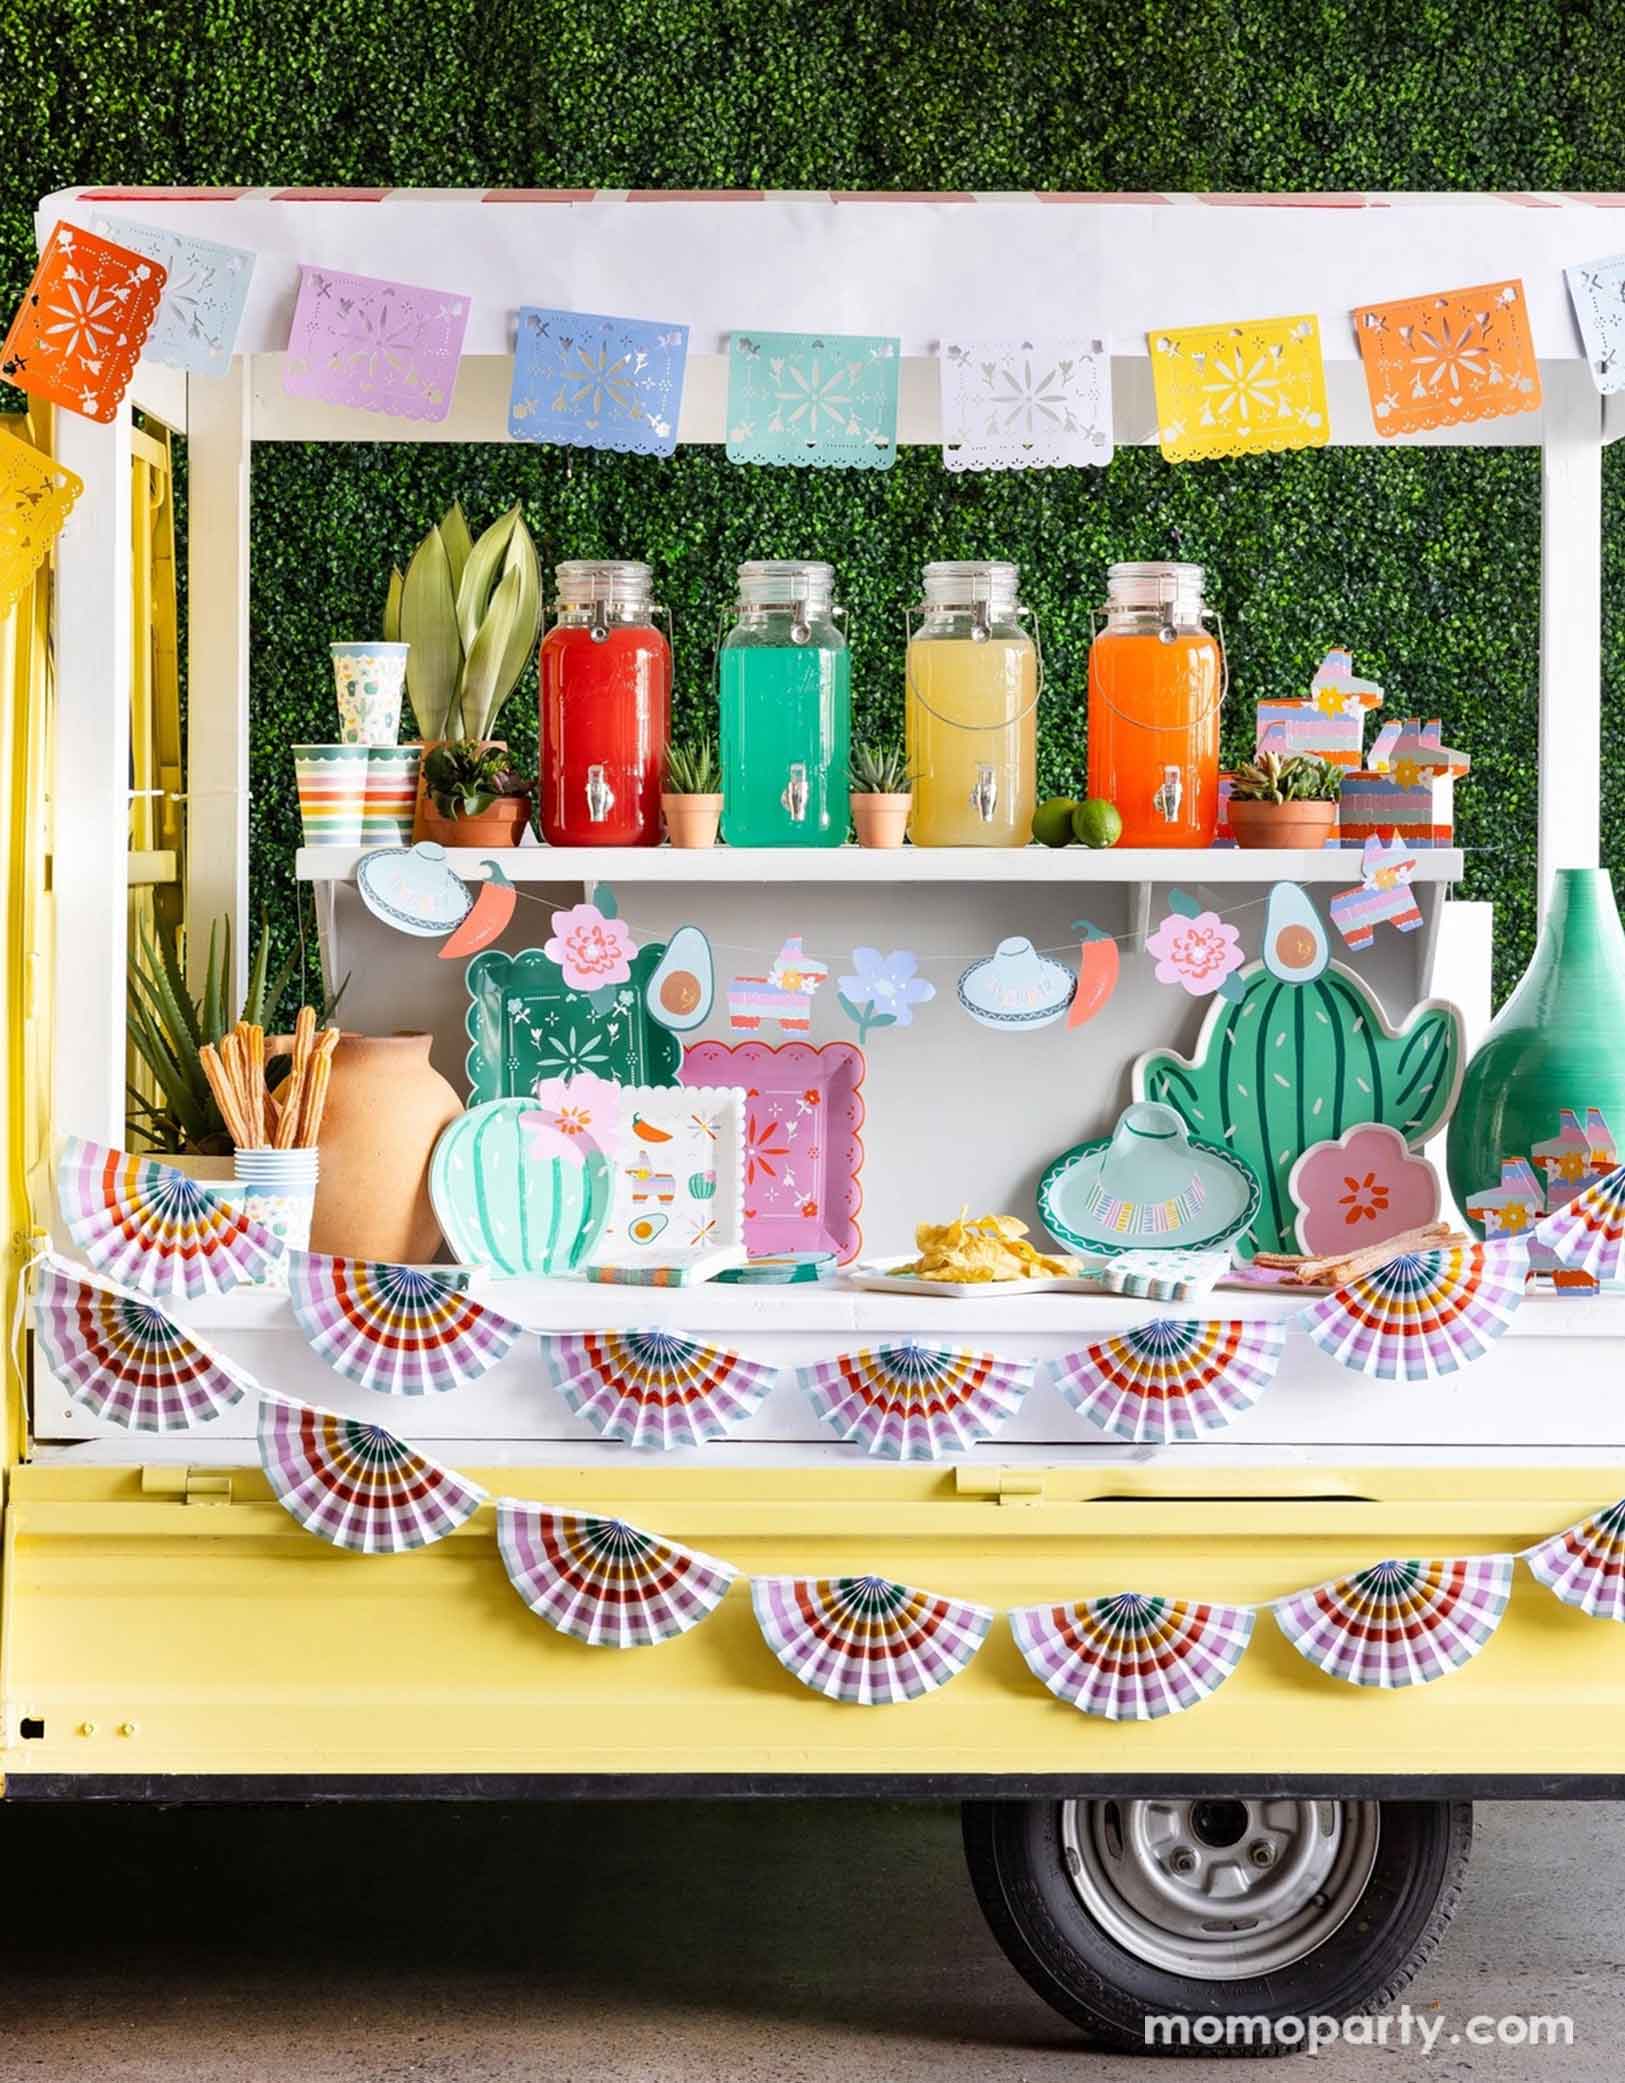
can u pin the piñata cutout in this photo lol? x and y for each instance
(1130, 1657)
(123, 1360)
(654, 1390)
(866, 1641)
(401, 1330)
(1587, 1234)
(1168, 1380)
(1425, 1314)
(1399, 1623)
(913, 1403)
(153, 1228)
(355, 1484)
(604, 1582)
(1585, 1564)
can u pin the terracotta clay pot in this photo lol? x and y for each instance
(502, 825)
(1307, 825)
(881, 820)
(386, 1107)
(692, 820)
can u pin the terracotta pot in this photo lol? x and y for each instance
(1307, 825)
(692, 820)
(502, 825)
(881, 820)
(386, 1107)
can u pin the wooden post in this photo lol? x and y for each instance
(1570, 790)
(90, 789)
(218, 448)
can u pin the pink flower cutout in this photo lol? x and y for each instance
(1198, 953)
(592, 951)
(574, 1116)
(1362, 1189)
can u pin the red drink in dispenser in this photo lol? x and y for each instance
(605, 672)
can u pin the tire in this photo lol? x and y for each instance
(1120, 1912)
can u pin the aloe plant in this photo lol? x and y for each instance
(471, 612)
(691, 770)
(880, 770)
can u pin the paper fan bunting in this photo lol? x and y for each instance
(605, 1582)
(123, 1359)
(155, 1229)
(914, 1403)
(1588, 1233)
(1424, 1314)
(1399, 1623)
(1169, 1379)
(1585, 1564)
(1130, 1657)
(864, 1640)
(653, 1389)
(398, 1329)
(355, 1484)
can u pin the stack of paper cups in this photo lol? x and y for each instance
(392, 790)
(332, 793)
(277, 1189)
(368, 680)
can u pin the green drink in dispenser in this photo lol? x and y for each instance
(785, 676)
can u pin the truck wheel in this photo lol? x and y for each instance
(1194, 1911)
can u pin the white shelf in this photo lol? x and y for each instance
(854, 864)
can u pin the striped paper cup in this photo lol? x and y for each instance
(332, 793)
(392, 791)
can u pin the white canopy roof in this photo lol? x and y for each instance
(1107, 266)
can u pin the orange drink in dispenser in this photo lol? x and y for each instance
(1156, 686)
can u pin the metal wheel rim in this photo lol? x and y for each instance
(1159, 1878)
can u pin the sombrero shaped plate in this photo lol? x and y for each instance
(1148, 1186)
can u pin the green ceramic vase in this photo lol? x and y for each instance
(1559, 1041)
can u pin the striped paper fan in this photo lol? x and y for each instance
(605, 1582)
(653, 1389)
(357, 1485)
(1130, 1657)
(1585, 1564)
(915, 1403)
(153, 1228)
(1399, 1623)
(1424, 1314)
(1588, 1233)
(401, 1330)
(121, 1358)
(864, 1640)
(1169, 1379)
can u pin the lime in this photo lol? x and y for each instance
(1096, 823)
(1052, 821)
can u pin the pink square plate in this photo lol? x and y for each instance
(803, 1152)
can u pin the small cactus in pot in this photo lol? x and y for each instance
(881, 793)
(1285, 802)
(692, 797)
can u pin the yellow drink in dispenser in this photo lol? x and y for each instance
(973, 675)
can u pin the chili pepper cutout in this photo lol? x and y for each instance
(1097, 973)
(491, 911)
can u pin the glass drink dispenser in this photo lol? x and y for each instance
(605, 671)
(785, 677)
(972, 683)
(1156, 686)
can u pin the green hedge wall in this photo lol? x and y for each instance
(1427, 565)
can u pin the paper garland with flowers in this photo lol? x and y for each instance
(390, 347)
(1449, 357)
(1238, 390)
(829, 399)
(83, 323)
(36, 498)
(1025, 404)
(590, 381)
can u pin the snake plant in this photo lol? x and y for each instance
(472, 612)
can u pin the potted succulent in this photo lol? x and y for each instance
(1285, 802)
(472, 797)
(881, 793)
(692, 800)
(472, 614)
